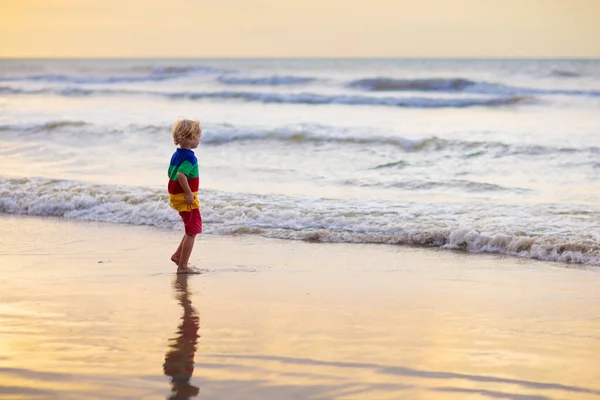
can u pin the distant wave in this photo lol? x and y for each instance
(419, 184)
(185, 70)
(153, 74)
(423, 85)
(469, 227)
(296, 98)
(13, 90)
(222, 135)
(306, 134)
(471, 149)
(563, 73)
(468, 149)
(60, 78)
(369, 84)
(320, 99)
(458, 85)
(275, 80)
(46, 126)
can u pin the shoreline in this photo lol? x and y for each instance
(93, 310)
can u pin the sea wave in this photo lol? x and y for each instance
(424, 85)
(433, 84)
(303, 135)
(478, 228)
(46, 126)
(275, 80)
(293, 98)
(422, 184)
(158, 73)
(564, 73)
(472, 149)
(186, 70)
(16, 90)
(458, 85)
(354, 100)
(219, 135)
(223, 134)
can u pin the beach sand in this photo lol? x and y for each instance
(94, 311)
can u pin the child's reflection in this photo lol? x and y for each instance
(179, 360)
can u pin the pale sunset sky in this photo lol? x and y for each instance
(300, 28)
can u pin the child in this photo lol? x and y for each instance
(183, 189)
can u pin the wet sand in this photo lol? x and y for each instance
(94, 311)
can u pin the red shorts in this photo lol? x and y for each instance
(192, 221)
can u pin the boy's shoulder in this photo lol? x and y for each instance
(182, 155)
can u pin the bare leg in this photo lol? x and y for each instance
(177, 255)
(187, 245)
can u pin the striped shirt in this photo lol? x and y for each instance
(184, 161)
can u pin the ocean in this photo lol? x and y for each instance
(480, 156)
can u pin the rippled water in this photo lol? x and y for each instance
(483, 155)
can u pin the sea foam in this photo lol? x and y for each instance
(515, 231)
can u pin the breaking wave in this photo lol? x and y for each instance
(469, 227)
(458, 85)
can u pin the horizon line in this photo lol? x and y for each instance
(564, 58)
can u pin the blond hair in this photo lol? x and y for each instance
(185, 129)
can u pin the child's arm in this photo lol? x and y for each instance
(189, 195)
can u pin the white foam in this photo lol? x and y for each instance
(470, 227)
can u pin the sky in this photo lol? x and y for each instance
(300, 28)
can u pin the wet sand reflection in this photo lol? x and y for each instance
(179, 360)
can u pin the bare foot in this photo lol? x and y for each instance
(187, 270)
(175, 259)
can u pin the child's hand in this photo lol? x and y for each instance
(189, 198)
